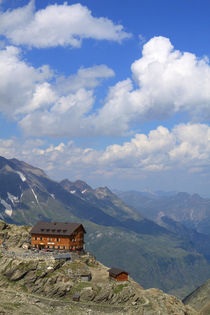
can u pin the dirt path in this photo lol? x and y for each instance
(25, 303)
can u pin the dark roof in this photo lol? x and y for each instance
(116, 271)
(55, 228)
(62, 256)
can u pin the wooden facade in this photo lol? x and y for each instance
(118, 274)
(57, 235)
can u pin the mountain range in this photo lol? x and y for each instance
(192, 211)
(155, 255)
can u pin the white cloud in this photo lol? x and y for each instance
(57, 25)
(87, 78)
(64, 117)
(19, 82)
(185, 148)
(168, 81)
(41, 106)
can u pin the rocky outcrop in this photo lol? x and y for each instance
(14, 236)
(51, 277)
(200, 299)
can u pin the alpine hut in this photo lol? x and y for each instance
(118, 274)
(58, 235)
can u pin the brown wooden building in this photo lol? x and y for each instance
(118, 274)
(58, 235)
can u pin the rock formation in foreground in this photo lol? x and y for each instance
(43, 283)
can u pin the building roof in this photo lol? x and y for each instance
(116, 271)
(55, 228)
(62, 256)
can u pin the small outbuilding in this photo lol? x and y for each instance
(86, 277)
(118, 274)
(76, 297)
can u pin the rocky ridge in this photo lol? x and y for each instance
(200, 299)
(46, 279)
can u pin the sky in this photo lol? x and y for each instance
(114, 93)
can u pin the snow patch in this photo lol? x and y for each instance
(52, 195)
(35, 196)
(22, 177)
(84, 191)
(12, 198)
(72, 191)
(8, 212)
(8, 208)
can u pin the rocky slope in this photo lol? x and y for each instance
(200, 299)
(49, 284)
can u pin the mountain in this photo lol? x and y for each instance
(191, 210)
(174, 213)
(104, 199)
(44, 283)
(117, 234)
(200, 299)
(200, 241)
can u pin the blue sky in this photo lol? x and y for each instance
(116, 93)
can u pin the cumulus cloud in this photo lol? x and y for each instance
(20, 83)
(87, 78)
(168, 81)
(186, 148)
(57, 25)
(66, 116)
(41, 104)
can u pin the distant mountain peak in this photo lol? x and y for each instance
(78, 186)
(104, 190)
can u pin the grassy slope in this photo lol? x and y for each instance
(152, 261)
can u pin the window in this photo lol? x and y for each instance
(35, 238)
(40, 238)
(58, 247)
(49, 239)
(64, 247)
